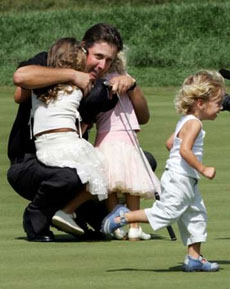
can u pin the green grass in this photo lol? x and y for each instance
(166, 42)
(156, 264)
(29, 5)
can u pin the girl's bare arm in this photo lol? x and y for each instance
(169, 142)
(188, 135)
(21, 94)
(139, 104)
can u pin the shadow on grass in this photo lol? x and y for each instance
(170, 269)
(223, 262)
(67, 239)
(226, 238)
(158, 237)
(61, 238)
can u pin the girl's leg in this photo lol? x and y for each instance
(135, 231)
(112, 201)
(82, 197)
(133, 203)
(194, 250)
(64, 219)
(138, 216)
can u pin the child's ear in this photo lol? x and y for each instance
(200, 103)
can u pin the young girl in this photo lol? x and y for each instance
(125, 170)
(200, 98)
(58, 140)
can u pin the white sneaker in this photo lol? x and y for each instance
(136, 234)
(66, 223)
(143, 235)
(119, 234)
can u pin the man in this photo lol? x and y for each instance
(226, 102)
(50, 188)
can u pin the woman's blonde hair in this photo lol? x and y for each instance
(205, 85)
(65, 53)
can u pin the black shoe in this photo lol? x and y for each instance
(44, 235)
(47, 237)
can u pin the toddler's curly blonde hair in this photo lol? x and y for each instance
(205, 85)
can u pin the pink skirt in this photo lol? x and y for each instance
(125, 170)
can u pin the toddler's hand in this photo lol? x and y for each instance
(209, 172)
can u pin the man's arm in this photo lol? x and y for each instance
(36, 76)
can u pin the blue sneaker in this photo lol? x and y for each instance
(108, 224)
(200, 264)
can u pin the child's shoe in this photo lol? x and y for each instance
(119, 234)
(109, 225)
(136, 234)
(200, 264)
(65, 222)
(143, 235)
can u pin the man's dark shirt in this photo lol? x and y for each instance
(226, 102)
(19, 139)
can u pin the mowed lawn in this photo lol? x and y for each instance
(68, 263)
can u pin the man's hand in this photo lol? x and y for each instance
(121, 84)
(83, 81)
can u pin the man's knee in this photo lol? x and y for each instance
(63, 184)
(16, 180)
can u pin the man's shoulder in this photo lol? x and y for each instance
(38, 59)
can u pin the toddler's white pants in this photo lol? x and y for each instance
(180, 202)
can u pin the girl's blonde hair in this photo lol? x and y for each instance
(119, 64)
(65, 53)
(203, 85)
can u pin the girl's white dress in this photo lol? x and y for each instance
(67, 149)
